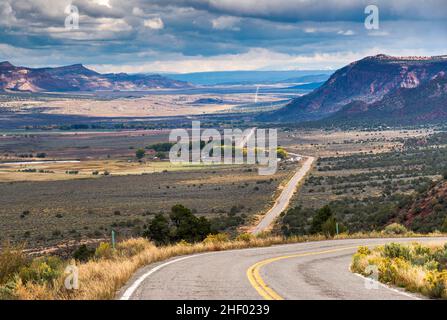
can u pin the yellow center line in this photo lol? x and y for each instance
(254, 276)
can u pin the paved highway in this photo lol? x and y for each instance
(312, 270)
(283, 200)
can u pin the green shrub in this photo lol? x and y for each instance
(264, 235)
(42, 270)
(281, 153)
(161, 155)
(363, 250)
(83, 253)
(7, 290)
(436, 284)
(187, 226)
(431, 265)
(395, 250)
(184, 243)
(320, 218)
(181, 225)
(161, 147)
(139, 154)
(246, 237)
(158, 230)
(444, 226)
(395, 228)
(104, 251)
(329, 228)
(216, 238)
(440, 256)
(403, 266)
(420, 250)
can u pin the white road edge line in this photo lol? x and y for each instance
(408, 295)
(131, 290)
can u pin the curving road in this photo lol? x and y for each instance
(284, 198)
(312, 270)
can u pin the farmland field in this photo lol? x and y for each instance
(44, 202)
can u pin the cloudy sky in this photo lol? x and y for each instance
(215, 35)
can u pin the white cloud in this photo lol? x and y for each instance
(346, 33)
(115, 32)
(105, 3)
(110, 24)
(154, 23)
(310, 30)
(379, 33)
(137, 12)
(254, 59)
(7, 14)
(226, 23)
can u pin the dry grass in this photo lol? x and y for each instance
(417, 268)
(57, 171)
(103, 276)
(152, 105)
(11, 259)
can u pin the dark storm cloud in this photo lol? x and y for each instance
(139, 32)
(313, 10)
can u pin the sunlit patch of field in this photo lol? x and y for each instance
(147, 106)
(340, 143)
(67, 145)
(90, 169)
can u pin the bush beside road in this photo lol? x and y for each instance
(417, 268)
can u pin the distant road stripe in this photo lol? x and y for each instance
(254, 276)
(283, 200)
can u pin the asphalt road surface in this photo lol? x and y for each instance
(312, 270)
(283, 200)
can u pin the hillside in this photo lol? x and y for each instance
(426, 103)
(428, 211)
(77, 78)
(380, 87)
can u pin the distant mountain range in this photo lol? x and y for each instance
(78, 78)
(252, 77)
(382, 88)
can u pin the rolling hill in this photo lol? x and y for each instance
(77, 78)
(379, 87)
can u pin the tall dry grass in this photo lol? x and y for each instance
(11, 260)
(101, 277)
